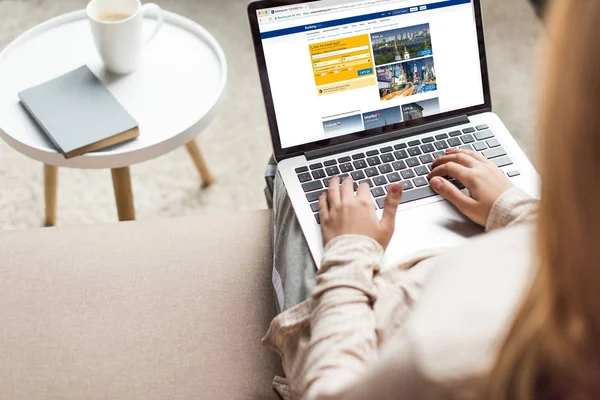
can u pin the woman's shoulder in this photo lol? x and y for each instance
(467, 305)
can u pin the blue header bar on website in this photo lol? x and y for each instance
(361, 18)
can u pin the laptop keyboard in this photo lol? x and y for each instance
(406, 163)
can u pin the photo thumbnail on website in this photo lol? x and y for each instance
(406, 78)
(401, 44)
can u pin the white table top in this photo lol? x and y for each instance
(172, 96)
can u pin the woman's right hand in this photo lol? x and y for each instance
(485, 182)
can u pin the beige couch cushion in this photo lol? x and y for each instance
(143, 310)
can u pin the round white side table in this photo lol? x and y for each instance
(173, 96)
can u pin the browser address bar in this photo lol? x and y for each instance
(353, 6)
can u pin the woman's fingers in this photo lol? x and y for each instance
(475, 154)
(452, 170)
(333, 194)
(323, 207)
(364, 193)
(459, 158)
(392, 201)
(347, 190)
(451, 193)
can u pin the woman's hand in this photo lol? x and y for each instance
(485, 182)
(343, 213)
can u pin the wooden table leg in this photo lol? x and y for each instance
(198, 158)
(123, 194)
(50, 189)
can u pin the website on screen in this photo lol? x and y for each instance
(337, 67)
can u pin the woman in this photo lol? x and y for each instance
(514, 314)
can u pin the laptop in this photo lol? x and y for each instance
(376, 90)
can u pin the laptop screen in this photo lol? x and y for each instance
(338, 67)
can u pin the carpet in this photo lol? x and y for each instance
(237, 144)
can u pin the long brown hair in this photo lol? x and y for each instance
(553, 348)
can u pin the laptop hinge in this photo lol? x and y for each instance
(386, 137)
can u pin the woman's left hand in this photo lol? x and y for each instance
(342, 213)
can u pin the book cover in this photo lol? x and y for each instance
(78, 113)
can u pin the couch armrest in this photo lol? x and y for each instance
(141, 310)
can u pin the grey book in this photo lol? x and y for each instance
(78, 113)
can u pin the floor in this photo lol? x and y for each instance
(237, 144)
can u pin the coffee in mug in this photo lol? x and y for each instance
(113, 16)
(118, 34)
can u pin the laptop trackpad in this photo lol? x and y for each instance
(430, 226)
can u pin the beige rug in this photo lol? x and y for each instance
(237, 144)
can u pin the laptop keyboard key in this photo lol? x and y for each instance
(408, 174)
(502, 161)
(493, 143)
(367, 181)
(372, 153)
(347, 167)
(344, 159)
(399, 165)
(426, 159)
(401, 155)
(379, 180)
(441, 136)
(479, 146)
(371, 172)
(414, 143)
(428, 140)
(310, 186)
(318, 174)
(386, 158)
(412, 162)
(441, 145)
(305, 177)
(385, 168)
(418, 194)
(454, 142)
(407, 185)
(358, 156)
(421, 170)
(482, 135)
(393, 177)
(455, 133)
(314, 196)
(318, 218)
(314, 207)
(357, 175)
(468, 130)
(360, 164)
(400, 146)
(329, 163)
(414, 151)
(438, 154)
(514, 173)
(332, 171)
(467, 139)
(378, 192)
(316, 166)
(466, 147)
(372, 161)
(493, 153)
(420, 181)
(411, 195)
(387, 149)
(482, 127)
(299, 170)
(427, 148)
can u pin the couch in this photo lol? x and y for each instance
(164, 309)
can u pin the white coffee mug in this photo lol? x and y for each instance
(118, 34)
